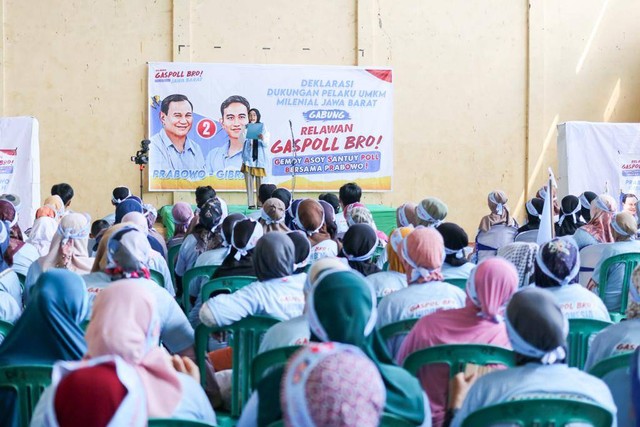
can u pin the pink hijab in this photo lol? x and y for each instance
(490, 287)
(602, 211)
(125, 322)
(422, 253)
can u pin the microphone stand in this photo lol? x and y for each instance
(294, 163)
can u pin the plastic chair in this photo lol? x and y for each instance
(5, 328)
(175, 422)
(28, 382)
(172, 257)
(610, 364)
(630, 262)
(530, 236)
(377, 253)
(391, 420)
(458, 283)
(540, 413)
(229, 284)
(589, 258)
(580, 332)
(245, 336)
(456, 356)
(488, 243)
(204, 270)
(270, 359)
(400, 327)
(157, 277)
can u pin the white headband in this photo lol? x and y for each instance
(584, 202)
(417, 271)
(600, 203)
(296, 220)
(521, 346)
(572, 214)
(561, 281)
(458, 253)
(532, 210)
(72, 233)
(402, 217)
(424, 215)
(619, 229)
(257, 233)
(360, 258)
(118, 201)
(268, 220)
(499, 206)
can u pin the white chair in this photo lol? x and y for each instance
(530, 236)
(589, 258)
(488, 243)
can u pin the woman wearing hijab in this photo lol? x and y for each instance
(557, 268)
(523, 256)
(42, 232)
(534, 214)
(131, 204)
(342, 308)
(542, 194)
(455, 264)
(569, 220)
(285, 196)
(127, 253)
(239, 261)
(359, 244)
(151, 215)
(538, 334)
(585, 204)
(277, 293)
(431, 212)
(406, 215)
(55, 202)
(497, 201)
(357, 213)
(182, 215)
(272, 216)
(68, 250)
(48, 330)
(480, 321)
(9, 281)
(46, 211)
(19, 255)
(598, 229)
(623, 229)
(123, 335)
(310, 218)
(339, 386)
(395, 278)
(302, 250)
(422, 253)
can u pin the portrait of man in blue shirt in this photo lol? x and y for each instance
(171, 148)
(235, 117)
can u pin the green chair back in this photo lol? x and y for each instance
(157, 277)
(172, 257)
(269, 359)
(630, 262)
(377, 253)
(400, 327)
(5, 327)
(580, 332)
(610, 364)
(175, 422)
(540, 413)
(28, 382)
(202, 271)
(456, 356)
(391, 420)
(458, 283)
(230, 284)
(245, 336)
(385, 266)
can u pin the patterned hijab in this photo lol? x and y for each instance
(272, 216)
(406, 215)
(69, 246)
(16, 242)
(332, 385)
(557, 263)
(497, 201)
(522, 255)
(602, 210)
(423, 254)
(206, 232)
(431, 212)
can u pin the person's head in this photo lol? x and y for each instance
(272, 215)
(633, 306)
(431, 212)
(182, 215)
(534, 210)
(490, 286)
(537, 328)
(332, 199)
(302, 249)
(210, 214)
(359, 243)
(497, 200)
(523, 256)
(46, 211)
(422, 253)
(624, 227)
(406, 215)
(630, 203)
(357, 213)
(274, 256)
(330, 224)
(319, 267)
(245, 236)
(227, 227)
(254, 115)
(137, 219)
(557, 263)
(542, 193)
(128, 252)
(309, 216)
(204, 193)
(585, 204)
(14, 199)
(332, 385)
(455, 241)
(119, 194)
(265, 191)
(395, 246)
(235, 115)
(98, 227)
(65, 191)
(127, 206)
(176, 116)
(569, 209)
(350, 193)
(282, 194)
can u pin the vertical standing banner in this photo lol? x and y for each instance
(20, 164)
(341, 118)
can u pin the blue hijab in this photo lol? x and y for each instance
(49, 329)
(126, 206)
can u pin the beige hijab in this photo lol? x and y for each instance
(69, 246)
(497, 201)
(272, 216)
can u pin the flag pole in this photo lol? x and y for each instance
(550, 194)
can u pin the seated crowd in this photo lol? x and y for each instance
(111, 307)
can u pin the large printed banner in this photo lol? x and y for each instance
(341, 119)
